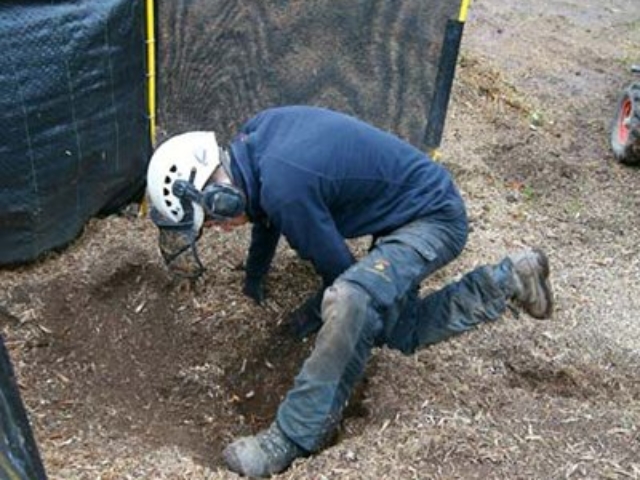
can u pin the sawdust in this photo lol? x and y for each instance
(127, 374)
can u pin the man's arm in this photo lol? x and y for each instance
(310, 230)
(264, 241)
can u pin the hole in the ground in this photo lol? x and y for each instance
(126, 356)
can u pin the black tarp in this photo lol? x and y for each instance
(19, 457)
(74, 134)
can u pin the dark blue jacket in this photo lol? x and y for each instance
(318, 177)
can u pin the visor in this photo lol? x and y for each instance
(177, 242)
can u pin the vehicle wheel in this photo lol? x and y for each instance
(625, 130)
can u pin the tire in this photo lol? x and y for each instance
(625, 128)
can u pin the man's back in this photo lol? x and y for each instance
(322, 176)
(369, 180)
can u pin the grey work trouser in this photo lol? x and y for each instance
(376, 302)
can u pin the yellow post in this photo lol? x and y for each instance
(464, 10)
(151, 68)
(151, 85)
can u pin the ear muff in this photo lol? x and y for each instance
(220, 201)
(223, 201)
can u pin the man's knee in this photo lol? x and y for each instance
(343, 299)
(346, 303)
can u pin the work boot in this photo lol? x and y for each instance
(532, 290)
(262, 455)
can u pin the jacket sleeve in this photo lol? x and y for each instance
(264, 241)
(310, 230)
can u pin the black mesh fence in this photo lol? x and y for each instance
(220, 61)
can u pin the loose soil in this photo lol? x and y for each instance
(129, 374)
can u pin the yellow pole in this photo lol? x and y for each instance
(151, 69)
(464, 10)
(151, 86)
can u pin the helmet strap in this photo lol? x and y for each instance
(220, 201)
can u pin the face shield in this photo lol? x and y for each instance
(177, 242)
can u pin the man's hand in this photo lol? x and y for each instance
(254, 288)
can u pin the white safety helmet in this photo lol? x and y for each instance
(190, 156)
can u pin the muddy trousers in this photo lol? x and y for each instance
(376, 303)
